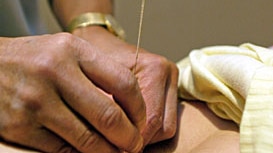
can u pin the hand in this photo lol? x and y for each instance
(50, 98)
(157, 78)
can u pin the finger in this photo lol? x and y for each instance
(118, 81)
(67, 126)
(43, 140)
(155, 95)
(99, 110)
(168, 129)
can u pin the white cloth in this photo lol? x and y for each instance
(237, 84)
(26, 17)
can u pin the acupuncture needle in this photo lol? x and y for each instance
(139, 34)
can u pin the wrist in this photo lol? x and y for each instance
(97, 19)
(66, 11)
(90, 31)
(94, 34)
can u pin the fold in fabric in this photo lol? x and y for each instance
(237, 84)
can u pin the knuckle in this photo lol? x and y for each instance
(67, 43)
(87, 141)
(55, 59)
(48, 64)
(155, 121)
(110, 118)
(64, 39)
(159, 63)
(73, 46)
(55, 49)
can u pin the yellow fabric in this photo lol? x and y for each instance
(237, 84)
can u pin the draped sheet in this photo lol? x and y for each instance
(237, 84)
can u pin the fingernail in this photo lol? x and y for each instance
(139, 145)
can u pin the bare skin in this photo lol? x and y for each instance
(200, 131)
(49, 91)
(39, 98)
(157, 79)
(63, 93)
(156, 75)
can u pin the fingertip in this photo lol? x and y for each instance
(139, 146)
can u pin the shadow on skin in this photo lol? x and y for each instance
(199, 131)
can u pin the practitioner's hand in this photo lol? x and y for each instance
(50, 98)
(157, 78)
